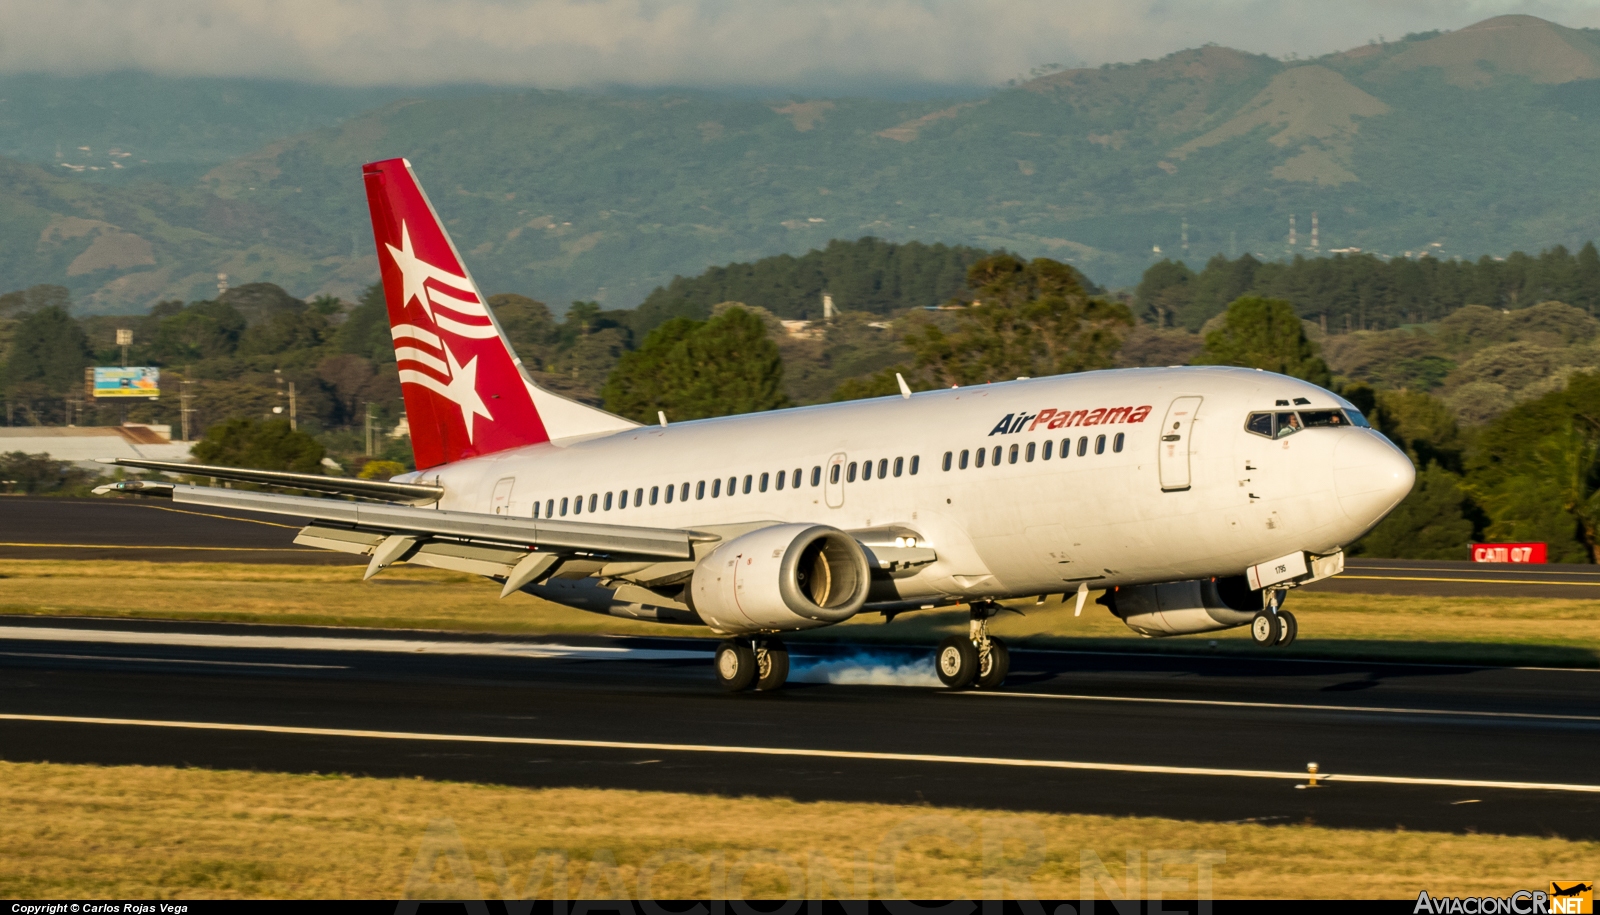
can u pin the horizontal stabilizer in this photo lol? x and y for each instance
(414, 493)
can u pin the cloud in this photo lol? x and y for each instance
(793, 45)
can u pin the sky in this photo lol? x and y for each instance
(851, 46)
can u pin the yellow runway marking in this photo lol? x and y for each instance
(181, 511)
(1468, 581)
(797, 752)
(118, 546)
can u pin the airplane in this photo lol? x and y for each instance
(1194, 498)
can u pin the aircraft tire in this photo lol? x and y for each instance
(1286, 622)
(956, 662)
(1266, 629)
(772, 665)
(735, 665)
(992, 670)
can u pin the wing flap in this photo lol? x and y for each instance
(413, 493)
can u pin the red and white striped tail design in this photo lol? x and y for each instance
(465, 393)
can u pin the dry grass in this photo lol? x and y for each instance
(136, 832)
(1477, 630)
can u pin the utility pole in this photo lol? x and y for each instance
(369, 429)
(1315, 244)
(294, 424)
(1185, 236)
(124, 340)
(184, 401)
(1291, 232)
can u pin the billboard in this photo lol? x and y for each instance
(142, 381)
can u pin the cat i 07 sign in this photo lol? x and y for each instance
(1509, 552)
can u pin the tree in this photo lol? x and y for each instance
(1431, 523)
(40, 474)
(261, 445)
(49, 352)
(35, 298)
(1265, 334)
(692, 370)
(365, 331)
(1026, 319)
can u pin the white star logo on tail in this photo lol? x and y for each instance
(461, 389)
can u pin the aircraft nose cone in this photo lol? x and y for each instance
(1370, 475)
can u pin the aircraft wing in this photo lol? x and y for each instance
(414, 493)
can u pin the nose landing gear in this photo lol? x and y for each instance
(1274, 628)
(977, 658)
(743, 663)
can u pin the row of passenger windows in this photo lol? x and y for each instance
(1029, 451)
(718, 488)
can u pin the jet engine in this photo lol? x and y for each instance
(781, 578)
(1185, 607)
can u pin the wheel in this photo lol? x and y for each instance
(736, 666)
(1290, 628)
(993, 667)
(772, 665)
(1266, 629)
(957, 662)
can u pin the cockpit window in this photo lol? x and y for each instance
(1282, 424)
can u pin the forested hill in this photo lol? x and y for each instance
(864, 275)
(1363, 292)
(1460, 143)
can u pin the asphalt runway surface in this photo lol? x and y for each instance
(1423, 747)
(158, 531)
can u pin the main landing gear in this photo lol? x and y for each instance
(743, 663)
(1272, 627)
(977, 658)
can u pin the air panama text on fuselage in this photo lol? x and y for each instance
(1060, 419)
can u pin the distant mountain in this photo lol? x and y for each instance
(1451, 143)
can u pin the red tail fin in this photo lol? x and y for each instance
(464, 391)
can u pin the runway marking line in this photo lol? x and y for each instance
(184, 511)
(1469, 569)
(103, 657)
(1465, 581)
(118, 546)
(804, 753)
(1156, 700)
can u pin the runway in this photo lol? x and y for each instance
(1423, 747)
(155, 530)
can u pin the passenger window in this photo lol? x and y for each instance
(963, 459)
(1259, 424)
(796, 483)
(816, 475)
(1116, 443)
(899, 466)
(1014, 451)
(733, 485)
(700, 490)
(1314, 418)
(638, 497)
(654, 491)
(622, 499)
(983, 455)
(683, 492)
(996, 459)
(916, 460)
(1100, 444)
(883, 468)
(778, 478)
(833, 474)
(577, 505)
(536, 508)
(747, 479)
(608, 501)
(1066, 448)
(1047, 446)
(1083, 445)
(670, 491)
(866, 470)
(948, 460)
(1287, 424)
(550, 508)
(594, 499)
(850, 473)
(716, 487)
(563, 506)
(763, 486)
(1031, 449)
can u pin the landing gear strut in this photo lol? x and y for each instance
(977, 658)
(758, 662)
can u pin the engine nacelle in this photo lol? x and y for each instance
(781, 578)
(1185, 607)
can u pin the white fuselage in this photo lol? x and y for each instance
(1016, 528)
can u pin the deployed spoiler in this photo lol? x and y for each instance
(383, 490)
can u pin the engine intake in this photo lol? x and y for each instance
(781, 578)
(1185, 607)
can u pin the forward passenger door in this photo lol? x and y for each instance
(1174, 444)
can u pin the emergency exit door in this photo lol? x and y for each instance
(1174, 444)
